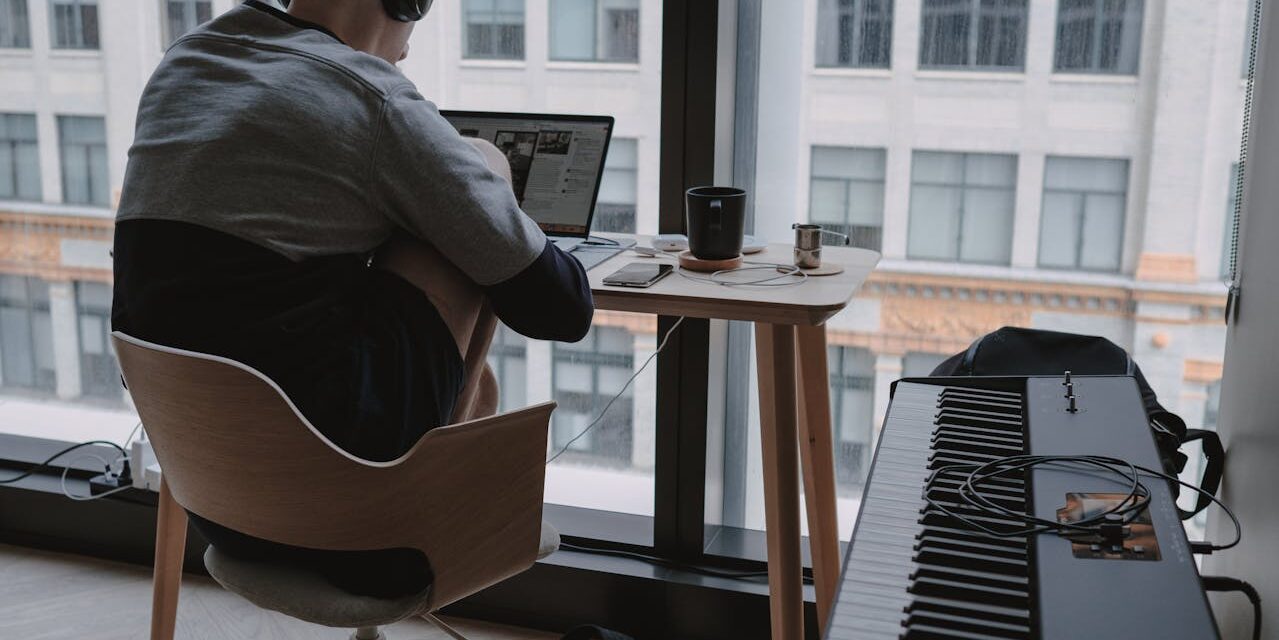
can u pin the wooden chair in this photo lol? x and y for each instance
(236, 451)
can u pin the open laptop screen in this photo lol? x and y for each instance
(556, 162)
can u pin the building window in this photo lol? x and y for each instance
(19, 157)
(181, 16)
(493, 29)
(852, 398)
(15, 25)
(26, 334)
(1232, 212)
(846, 193)
(855, 33)
(961, 207)
(74, 24)
(595, 30)
(973, 34)
(586, 375)
(84, 160)
(99, 374)
(508, 359)
(1083, 216)
(615, 207)
(1099, 36)
(918, 364)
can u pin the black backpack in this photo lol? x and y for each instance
(1013, 351)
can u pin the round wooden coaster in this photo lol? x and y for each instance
(827, 269)
(693, 263)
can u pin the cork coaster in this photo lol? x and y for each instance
(688, 261)
(827, 269)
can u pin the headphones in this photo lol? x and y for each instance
(399, 10)
(406, 10)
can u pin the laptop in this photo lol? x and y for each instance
(557, 163)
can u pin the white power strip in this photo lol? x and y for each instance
(146, 471)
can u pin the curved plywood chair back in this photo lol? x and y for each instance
(234, 450)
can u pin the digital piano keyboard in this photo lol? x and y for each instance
(913, 571)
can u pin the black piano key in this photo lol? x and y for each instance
(930, 585)
(972, 577)
(964, 622)
(931, 555)
(975, 609)
(933, 632)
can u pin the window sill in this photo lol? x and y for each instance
(567, 65)
(16, 52)
(970, 76)
(56, 209)
(1094, 78)
(852, 72)
(1043, 276)
(493, 63)
(75, 54)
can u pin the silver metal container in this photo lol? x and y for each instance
(808, 245)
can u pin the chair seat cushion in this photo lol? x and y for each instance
(550, 541)
(304, 594)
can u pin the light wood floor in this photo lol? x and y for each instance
(48, 596)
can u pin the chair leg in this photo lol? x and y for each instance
(449, 631)
(170, 545)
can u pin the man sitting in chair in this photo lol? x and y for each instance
(293, 203)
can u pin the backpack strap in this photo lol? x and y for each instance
(970, 357)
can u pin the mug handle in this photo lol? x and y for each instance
(717, 214)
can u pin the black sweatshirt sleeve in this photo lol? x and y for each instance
(549, 300)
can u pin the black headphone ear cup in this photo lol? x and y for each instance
(406, 10)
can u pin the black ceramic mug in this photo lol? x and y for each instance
(715, 219)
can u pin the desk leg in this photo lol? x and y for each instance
(775, 352)
(818, 462)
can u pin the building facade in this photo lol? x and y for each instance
(1059, 164)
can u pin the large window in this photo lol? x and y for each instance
(615, 207)
(15, 25)
(961, 207)
(493, 29)
(83, 142)
(595, 30)
(855, 33)
(846, 193)
(26, 334)
(1099, 36)
(99, 374)
(852, 398)
(509, 360)
(585, 376)
(973, 34)
(181, 16)
(19, 157)
(1083, 215)
(74, 24)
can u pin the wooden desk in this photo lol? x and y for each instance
(794, 399)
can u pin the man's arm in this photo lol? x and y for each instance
(455, 194)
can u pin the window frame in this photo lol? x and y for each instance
(1094, 62)
(977, 15)
(19, 35)
(1083, 195)
(80, 41)
(596, 55)
(14, 144)
(857, 16)
(846, 226)
(963, 188)
(65, 149)
(493, 24)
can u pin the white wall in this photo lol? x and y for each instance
(1248, 423)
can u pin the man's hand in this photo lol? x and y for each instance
(494, 157)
